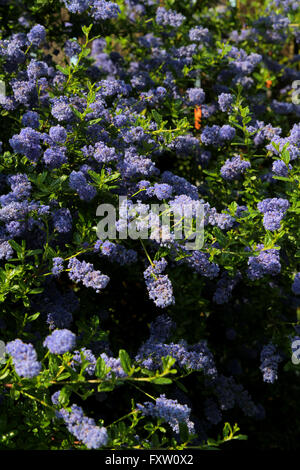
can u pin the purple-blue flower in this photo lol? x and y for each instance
(169, 410)
(296, 284)
(83, 428)
(159, 286)
(62, 220)
(196, 96)
(225, 101)
(233, 168)
(269, 363)
(24, 358)
(169, 17)
(58, 266)
(37, 35)
(60, 341)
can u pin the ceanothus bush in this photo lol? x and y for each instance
(134, 342)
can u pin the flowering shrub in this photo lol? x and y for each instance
(117, 342)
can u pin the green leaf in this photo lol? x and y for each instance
(33, 317)
(64, 376)
(85, 52)
(125, 361)
(4, 375)
(100, 370)
(53, 364)
(36, 290)
(282, 178)
(182, 387)
(157, 117)
(268, 240)
(86, 29)
(64, 396)
(183, 432)
(95, 177)
(221, 238)
(16, 246)
(76, 112)
(161, 381)
(64, 70)
(105, 387)
(150, 373)
(168, 362)
(211, 173)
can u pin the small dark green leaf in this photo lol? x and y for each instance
(183, 432)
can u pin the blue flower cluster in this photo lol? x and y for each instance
(168, 410)
(84, 428)
(115, 252)
(274, 210)
(24, 358)
(280, 168)
(86, 355)
(212, 412)
(233, 168)
(225, 286)
(81, 271)
(57, 266)
(60, 341)
(196, 357)
(169, 17)
(269, 363)
(217, 136)
(267, 261)
(159, 286)
(196, 96)
(225, 101)
(78, 182)
(296, 284)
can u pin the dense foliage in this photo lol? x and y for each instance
(132, 343)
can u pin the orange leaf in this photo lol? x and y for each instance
(198, 115)
(268, 83)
